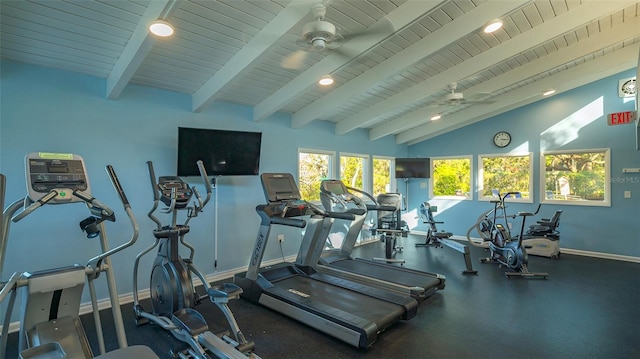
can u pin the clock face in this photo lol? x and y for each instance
(502, 139)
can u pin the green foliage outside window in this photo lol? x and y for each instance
(575, 176)
(506, 174)
(381, 176)
(351, 171)
(312, 169)
(451, 177)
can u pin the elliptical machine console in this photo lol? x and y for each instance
(173, 295)
(173, 186)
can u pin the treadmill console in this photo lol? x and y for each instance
(170, 186)
(279, 187)
(334, 186)
(62, 172)
(283, 197)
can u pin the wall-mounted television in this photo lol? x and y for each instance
(224, 153)
(413, 168)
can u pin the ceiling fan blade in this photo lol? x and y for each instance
(295, 60)
(481, 101)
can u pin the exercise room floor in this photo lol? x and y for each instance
(588, 308)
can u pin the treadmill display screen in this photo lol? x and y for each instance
(335, 187)
(279, 187)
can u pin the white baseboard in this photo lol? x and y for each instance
(577, 252)
(617, 257)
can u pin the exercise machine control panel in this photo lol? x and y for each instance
(59, 172)
(173, 187)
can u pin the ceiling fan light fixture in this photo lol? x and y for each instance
(493, 26)
(436, 117)
(326, 80)
(549, 92)
(161, 28)
(318, 43)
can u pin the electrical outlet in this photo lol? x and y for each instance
(627, 194)
(280, 238)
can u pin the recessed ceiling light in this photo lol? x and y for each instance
(326, 80)
(161, 28)
(493, 26)
(436, 117)
(549, 92)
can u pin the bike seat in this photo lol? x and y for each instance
(525, 214)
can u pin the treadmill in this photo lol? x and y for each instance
(352, 312)
(336, 196)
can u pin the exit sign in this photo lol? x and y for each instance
(621, 118)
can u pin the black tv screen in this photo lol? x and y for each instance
(223, 153)
(413, 168)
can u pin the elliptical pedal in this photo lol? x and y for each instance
(223, 292)
(190, 320)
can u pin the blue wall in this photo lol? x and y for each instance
(612, 230)
(56, 111)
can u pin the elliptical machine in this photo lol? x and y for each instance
(504, 249)
(50, 325)
(173, 296)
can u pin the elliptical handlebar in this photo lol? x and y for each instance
(132, 219)
(35, 205)
(156, 197)
(117, 186)
(154, 183)
(94, 203)
(205, 181)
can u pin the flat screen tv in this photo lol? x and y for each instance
(413, 168)
(223, 153)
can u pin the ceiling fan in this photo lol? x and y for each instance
(320, 35)
(454, 98)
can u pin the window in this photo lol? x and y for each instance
(313, 167)
(381, 175)
(578, 177)
(451, 177)
(354, 170)
(502, 173)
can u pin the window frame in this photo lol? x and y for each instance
(366, 169)
(606, 202)
(480, 176)
(392, 179)
(331, 171)
(471, 178)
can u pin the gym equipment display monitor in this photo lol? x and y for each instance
(62, 172)
(413, 168)
(279, 187)
(223, 153)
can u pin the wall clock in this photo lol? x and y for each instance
(502, 139)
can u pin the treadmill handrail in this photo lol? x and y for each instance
(287, 221)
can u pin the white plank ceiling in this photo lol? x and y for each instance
(392, 70)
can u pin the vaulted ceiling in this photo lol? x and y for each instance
(393, 63)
